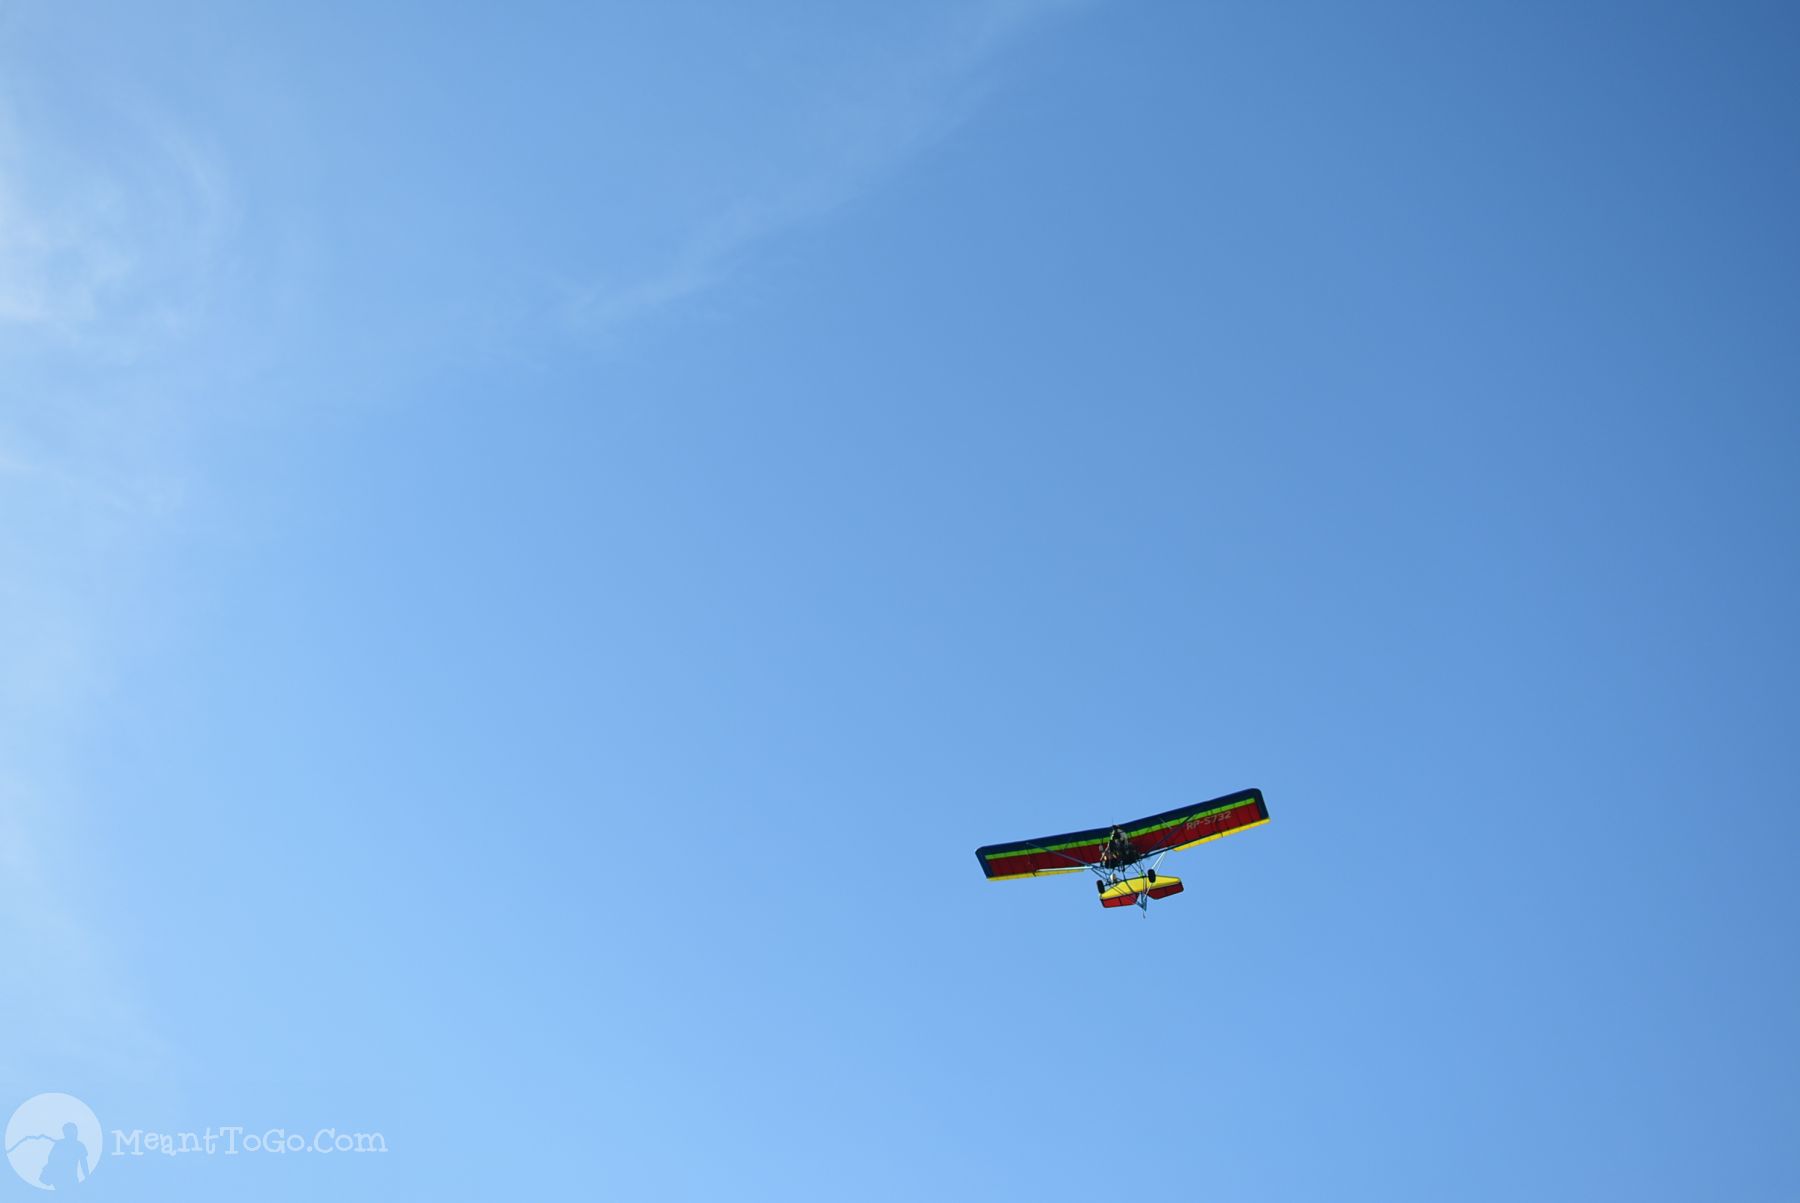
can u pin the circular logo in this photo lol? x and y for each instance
(53, 1141)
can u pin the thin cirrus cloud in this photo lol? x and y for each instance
(115, 247)
(110, 244)
(899, 110)
(111, 249)
(114, 243)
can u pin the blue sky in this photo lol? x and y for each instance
(533, 547)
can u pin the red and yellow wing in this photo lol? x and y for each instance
(1170, 831)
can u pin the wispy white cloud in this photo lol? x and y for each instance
(112, 248)
(109, 247)
(896, 111)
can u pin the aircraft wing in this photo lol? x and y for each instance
(1170, 831)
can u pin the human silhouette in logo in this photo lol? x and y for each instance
(68, 1161)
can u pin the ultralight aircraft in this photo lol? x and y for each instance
(1124, 857)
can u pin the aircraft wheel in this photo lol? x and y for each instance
(1099, 886)
(1153, 877)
